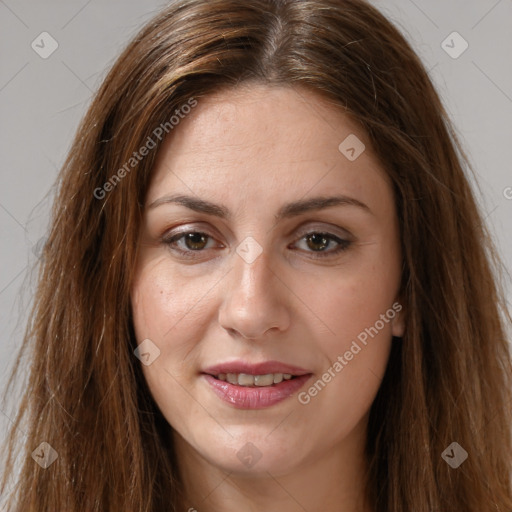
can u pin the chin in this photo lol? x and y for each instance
(252, 455)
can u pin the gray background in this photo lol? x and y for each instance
(43, 100)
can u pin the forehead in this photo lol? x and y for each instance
(259, 142)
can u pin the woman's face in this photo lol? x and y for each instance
(256, 270)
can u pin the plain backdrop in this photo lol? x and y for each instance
(42, 101)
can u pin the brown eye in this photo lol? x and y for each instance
(195, 241)
(317, 242)
(188, 242)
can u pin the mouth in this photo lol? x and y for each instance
(255, 386)
(251, 381)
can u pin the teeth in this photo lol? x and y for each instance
(244, 379)
(232, 378)
(263, 380)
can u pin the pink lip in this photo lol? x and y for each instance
(242, 397)
(255, 369)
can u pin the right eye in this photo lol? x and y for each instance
(188, 242)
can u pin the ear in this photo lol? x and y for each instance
(398, 322)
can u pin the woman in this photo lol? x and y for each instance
(267, 285)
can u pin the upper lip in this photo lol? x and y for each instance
(263, 368)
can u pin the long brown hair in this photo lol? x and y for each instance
(448, 380)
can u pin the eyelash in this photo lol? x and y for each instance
(343, 245)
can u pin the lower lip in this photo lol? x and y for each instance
(242, 397)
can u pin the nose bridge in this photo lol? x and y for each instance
(253, 302)
(252, 269)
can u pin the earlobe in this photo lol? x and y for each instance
(398, 322)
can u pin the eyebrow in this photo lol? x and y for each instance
(288, 210)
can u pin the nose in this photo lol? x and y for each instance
(255, 299)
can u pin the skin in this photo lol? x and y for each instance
(253, 150)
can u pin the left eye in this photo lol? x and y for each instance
(196, 241)
(319, 241)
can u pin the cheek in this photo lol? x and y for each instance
(163, 301)
(355, 356)
(166, 312)
(356, 304)
(358, 351)
(357, 308)
(172, 310)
